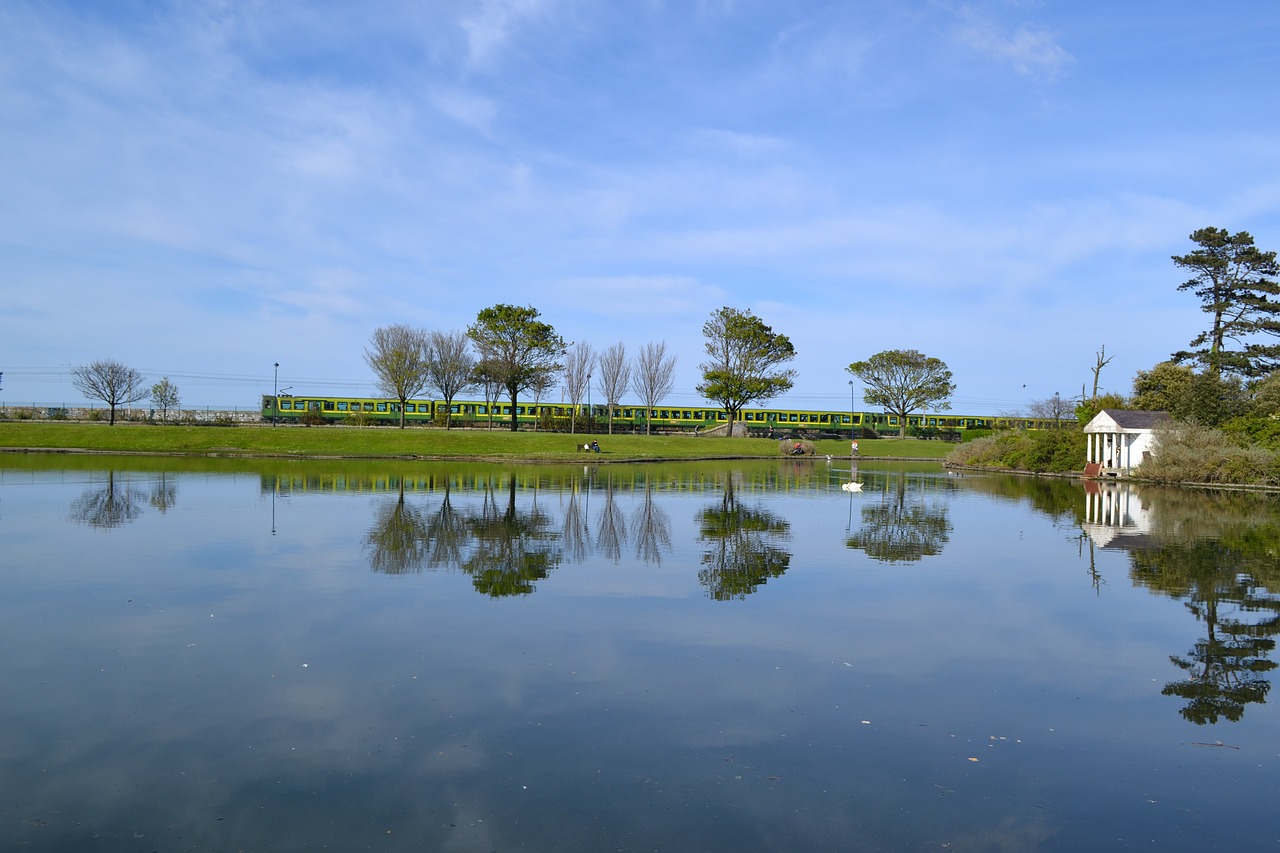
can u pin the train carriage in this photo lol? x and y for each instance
(693, 419)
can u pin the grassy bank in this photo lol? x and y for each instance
(382, 442)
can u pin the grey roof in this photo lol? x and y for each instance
(1130, 419)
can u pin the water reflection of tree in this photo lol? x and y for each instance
(574, 525)
(111, 505)
(1224, 669)
(895, 532)
(511, 548)
(652, 526)
(1217, 551)
(611, 525)
(447, 533)
(164, 494)
(398, 539)
(744, 550)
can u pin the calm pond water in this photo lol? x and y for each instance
(225, 655)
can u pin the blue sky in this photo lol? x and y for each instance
(202, 189)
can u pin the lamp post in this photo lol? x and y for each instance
(1057, 411)
(275, 396)
(853, 414)
(589, 412)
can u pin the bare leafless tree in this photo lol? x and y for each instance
(398, 357)
(488, 380)
(1102, 362)
(615, 377)
(111, 382)
(451, 368)
(653, 378)
(1055, 408)
(577, 378)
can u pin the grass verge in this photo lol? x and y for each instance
(383, 442)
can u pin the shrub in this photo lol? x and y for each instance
(1187, 453)
(787, 447)
(1053, 451)
(313, 417)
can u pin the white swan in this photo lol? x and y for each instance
(851, 487)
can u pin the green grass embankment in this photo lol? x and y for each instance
(384, 442)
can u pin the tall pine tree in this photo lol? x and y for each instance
(1236, 284)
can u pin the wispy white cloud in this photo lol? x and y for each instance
(1030, 48)
(495, 23)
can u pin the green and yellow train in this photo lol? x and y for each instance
(759, 421)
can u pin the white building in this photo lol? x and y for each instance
(1119, 440)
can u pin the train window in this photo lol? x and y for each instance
(824, 419)
(893, 420)
(410, 407)
(368, 407)
(342, 405)
(933, 421)
(382, 407)
(328, 405)
(792, 417)
(286, 404)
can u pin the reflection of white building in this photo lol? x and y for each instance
(1115, 516)
(1119, 440)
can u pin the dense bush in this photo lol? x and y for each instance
(1187, 453)
(1051, 451)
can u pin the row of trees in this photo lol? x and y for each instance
(510, 351)
(118, 385)
(517, 353)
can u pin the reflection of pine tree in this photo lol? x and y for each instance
(109, 506)
(1223, 669)
(896, 533)
(743, 554)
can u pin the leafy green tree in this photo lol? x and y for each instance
(1265, 396)
(1205, 398)
(745, 355)
(1086, 409)
(904, 381)
(519, 350)
(398, 357)
(164, 396)
(111, 382)
(1237, 287)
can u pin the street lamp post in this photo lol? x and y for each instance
(275, 396)
(853, 414)
(589, 412)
